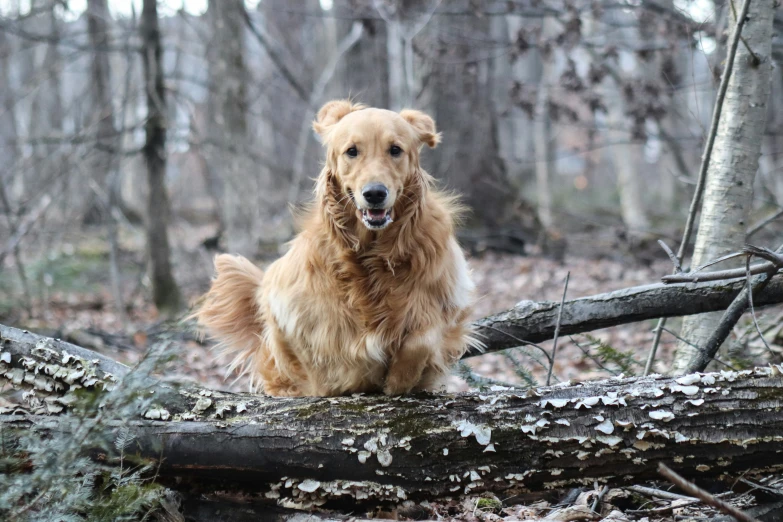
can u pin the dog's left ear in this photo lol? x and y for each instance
(424, 126)
(331, 113)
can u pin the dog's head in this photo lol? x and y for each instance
(373, 156)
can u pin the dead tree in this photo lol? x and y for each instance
(377, 449)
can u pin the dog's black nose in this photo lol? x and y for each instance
(375, 193)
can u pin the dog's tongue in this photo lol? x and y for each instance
(376, 213)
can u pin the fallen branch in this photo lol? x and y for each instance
(534, 322)
(381, 449)
(707, 498)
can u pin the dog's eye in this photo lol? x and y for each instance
(395, 151)
(352, 152)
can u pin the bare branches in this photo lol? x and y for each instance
(317, 92)
(276, 58)
(744, 299)
(764, 222)
(21, 229)
(735, 273)
(692, 489)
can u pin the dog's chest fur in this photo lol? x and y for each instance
(347, 314)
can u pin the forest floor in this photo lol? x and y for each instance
(69, 297)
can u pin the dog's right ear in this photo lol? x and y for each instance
(331, 113)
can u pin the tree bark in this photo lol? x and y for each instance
(98, 18)
(729, 188)
(461, 82)
(626, 163)
(165, 292)
(545, 145)
(228, 123)
(378, 449)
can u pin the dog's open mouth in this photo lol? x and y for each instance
(376, 218)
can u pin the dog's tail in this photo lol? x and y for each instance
(229, 312)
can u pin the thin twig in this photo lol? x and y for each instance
(721, 259)
(720, 275)
(764, 222)
(592, 357)
(665, 509)
(654, 348)
(26, 225)
(24, 509)
(692, 489)
(658, 493)
(774, 491)
(756, 60)
(683, 340)
(557, 330)
(276, 58)
(520, 341)
(675, 261)
(750, 306)
(599, 498)
(705, 162)
(772, 256)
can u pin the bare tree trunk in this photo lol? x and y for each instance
(404, 20)
(375, 449)
(104, 202)
(9, 132)
(519, 139)
(165, 292)
(626, 158)
(545, 147)
(398, 95)
(468, 160)
(228, 117)
(98, 17)
(729, 188)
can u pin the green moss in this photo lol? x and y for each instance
(412, 424)
(353, 407)
(489, 504)
(310, 410)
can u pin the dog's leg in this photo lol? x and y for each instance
(282, 371)
(408, 363)
(456, 339)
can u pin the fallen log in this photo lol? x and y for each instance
(307, 451)
(534, 322)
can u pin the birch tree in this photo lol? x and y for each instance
(735, 160)
(544, 142)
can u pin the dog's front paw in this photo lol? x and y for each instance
(397, 386)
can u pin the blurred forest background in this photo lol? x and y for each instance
(139, 138)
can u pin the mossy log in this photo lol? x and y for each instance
(372, 449)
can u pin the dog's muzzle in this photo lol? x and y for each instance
(376, 217)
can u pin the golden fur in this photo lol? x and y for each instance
(348, 308)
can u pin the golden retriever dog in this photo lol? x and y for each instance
(374, 293)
